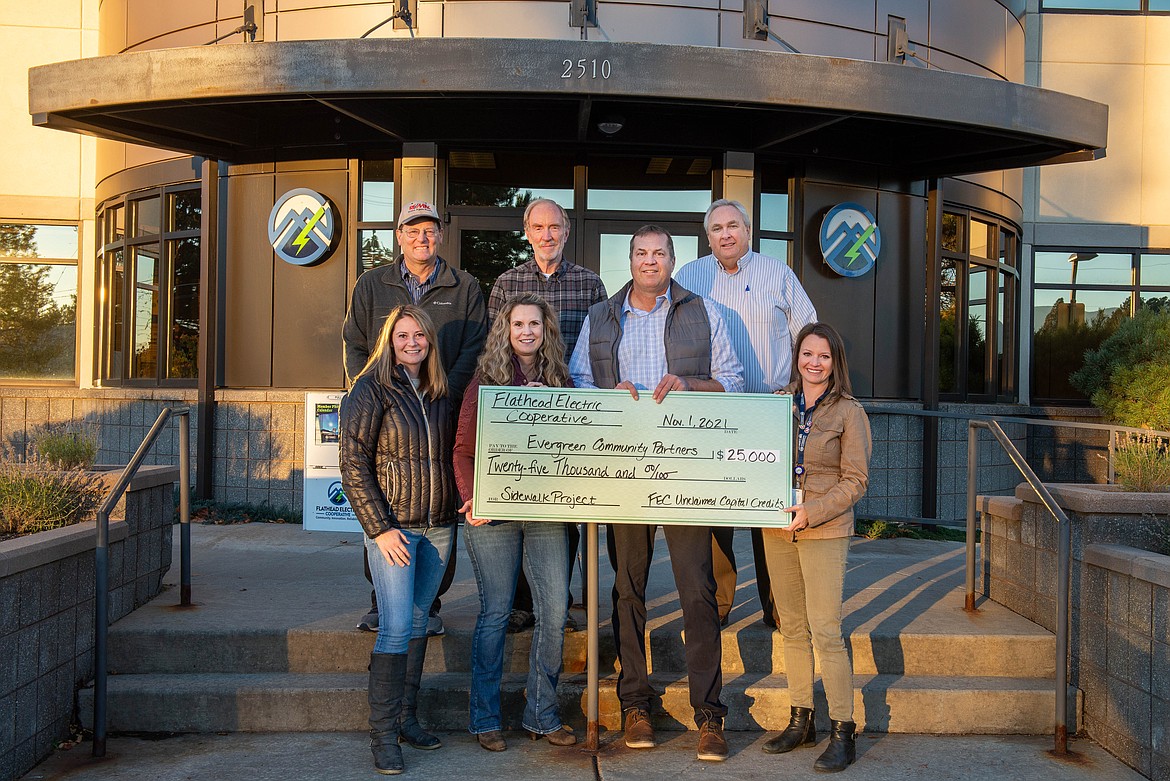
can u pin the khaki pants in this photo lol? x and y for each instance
(808, 578)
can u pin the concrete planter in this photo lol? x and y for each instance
(46, 610)
(1119, 612)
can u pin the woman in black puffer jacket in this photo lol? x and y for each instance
(397, 435)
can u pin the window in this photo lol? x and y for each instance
(376, 218)
(1107, 6)
(774, 213)
(148, 321)
(1080, 296)
(38, 302)
(977, 308)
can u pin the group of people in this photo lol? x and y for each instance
(420, 342)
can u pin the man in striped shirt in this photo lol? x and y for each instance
(764, 307)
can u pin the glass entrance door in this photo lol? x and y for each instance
(607, 246)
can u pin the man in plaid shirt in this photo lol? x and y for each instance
(571, 289)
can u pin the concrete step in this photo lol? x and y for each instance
(286, 702)
(965, 648)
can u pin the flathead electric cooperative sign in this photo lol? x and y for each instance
(850, 239)
(302, 227)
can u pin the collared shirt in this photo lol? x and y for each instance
(571, 290)
(413, 286)
(642, 353)
(764, 307)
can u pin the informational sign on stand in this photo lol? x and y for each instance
(325, 506)
(714, 459)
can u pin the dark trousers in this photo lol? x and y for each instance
(723, 562)
(444, 584)
(523, 597)
(631, 549)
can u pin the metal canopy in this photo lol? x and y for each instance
(341, 98)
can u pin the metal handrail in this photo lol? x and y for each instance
(1063, 559)
(102, 555)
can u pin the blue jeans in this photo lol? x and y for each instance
(405, 593)
(497, 552)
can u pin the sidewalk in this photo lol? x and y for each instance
(345, 756)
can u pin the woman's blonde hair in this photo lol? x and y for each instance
(432, 380)
(839, 378)
(495, 363)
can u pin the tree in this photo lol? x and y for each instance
(1128, 376)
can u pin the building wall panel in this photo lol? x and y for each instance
(247, 301)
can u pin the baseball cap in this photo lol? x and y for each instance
(418, 210)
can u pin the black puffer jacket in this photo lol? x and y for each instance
(396, 456)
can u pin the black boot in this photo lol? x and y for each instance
(801, 731)
(410, 731)
(842, 749)
(387, 677)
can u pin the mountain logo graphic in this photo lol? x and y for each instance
(336, 493)
(302, 227)
(850, 239)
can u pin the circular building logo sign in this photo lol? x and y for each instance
(850, 239)
(302, 227)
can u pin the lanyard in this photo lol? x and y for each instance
(804, 418)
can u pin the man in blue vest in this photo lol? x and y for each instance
(656, 336)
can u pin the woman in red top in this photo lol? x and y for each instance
(524, 349)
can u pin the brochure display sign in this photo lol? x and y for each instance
(325, 506)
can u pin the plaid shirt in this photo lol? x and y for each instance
(571, 290)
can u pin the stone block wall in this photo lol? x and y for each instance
(1119, 612)
(1125, 666)
(47, 612)
(895, 470)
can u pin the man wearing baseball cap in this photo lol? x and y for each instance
(453, 300)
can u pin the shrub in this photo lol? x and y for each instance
(36, 496)
(64, 447)
(1128, 376)
(1142, 462)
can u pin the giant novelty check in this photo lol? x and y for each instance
(716, 459)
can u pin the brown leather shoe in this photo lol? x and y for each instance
(639, 731)
(712, 746)
(492, 740)
(563, 736)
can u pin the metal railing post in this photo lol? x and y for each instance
(185, 509)
(972, 472)
(1064, 566)
(592, 657)
(102, 561)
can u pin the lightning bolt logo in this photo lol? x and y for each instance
(303, 237)
(855, 250)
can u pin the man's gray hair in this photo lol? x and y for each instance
(747, 221)
(564, 214)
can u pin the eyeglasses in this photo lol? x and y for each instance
(414, 233)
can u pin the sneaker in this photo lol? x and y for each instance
(519, 620)
(369, 622)
(639, 731)
(712, 745)
(570, 624)
(435, 626)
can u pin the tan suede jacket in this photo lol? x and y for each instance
(836, 460)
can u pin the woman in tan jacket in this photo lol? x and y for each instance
(807, 560)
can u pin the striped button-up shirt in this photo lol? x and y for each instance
(642, 351)
(764, 307)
